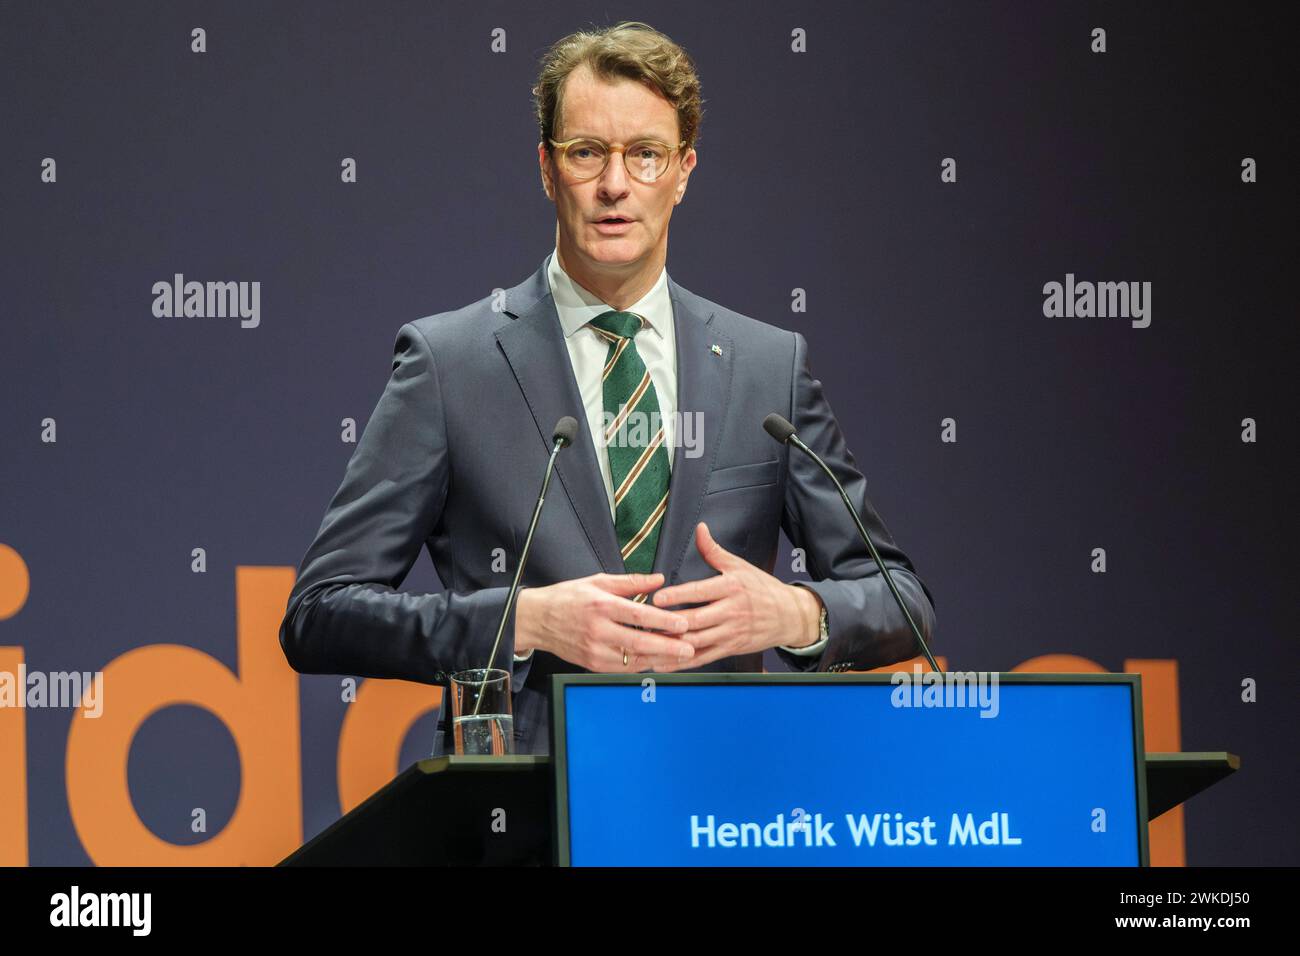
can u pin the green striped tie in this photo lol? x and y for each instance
(634, 441)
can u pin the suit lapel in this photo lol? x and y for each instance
(534, 346)
(703, 393)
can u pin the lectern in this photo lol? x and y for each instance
(794, 769)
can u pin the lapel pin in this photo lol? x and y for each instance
(715, 349)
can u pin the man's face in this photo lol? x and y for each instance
(620, 112)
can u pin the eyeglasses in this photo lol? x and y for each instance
(646, 160)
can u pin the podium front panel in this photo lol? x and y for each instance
(849, 770)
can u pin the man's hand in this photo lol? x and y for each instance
(744, 610)
(586, 622)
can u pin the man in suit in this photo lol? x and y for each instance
(657, 554)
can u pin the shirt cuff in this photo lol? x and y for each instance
(526, 656)
(809, 651)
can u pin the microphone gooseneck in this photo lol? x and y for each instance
(784, 432)
(561, 436)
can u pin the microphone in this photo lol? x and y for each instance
(784, 432)
(561, 436)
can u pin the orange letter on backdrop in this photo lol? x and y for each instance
(15, 585)
(13, 770)
(374, 727)
(259, 706)
(1162, 733)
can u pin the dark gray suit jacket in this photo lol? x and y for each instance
(452, 459)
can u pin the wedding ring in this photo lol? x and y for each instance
(624, 650)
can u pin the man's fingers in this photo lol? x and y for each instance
(707, 639)
(647, 615)
(712, 644)
(662, 665)
(609, 660)
(714, 554)
(705, 616)
(645, 643)
(628, 585)
(694, 592)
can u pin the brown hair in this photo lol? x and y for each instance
(629, 49)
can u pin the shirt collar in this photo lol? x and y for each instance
(576, 306)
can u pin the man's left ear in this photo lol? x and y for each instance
(688, 164)
(546, 170)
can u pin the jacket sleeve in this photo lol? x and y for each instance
(344, 614)
(866, 627)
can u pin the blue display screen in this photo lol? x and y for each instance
(843, 774)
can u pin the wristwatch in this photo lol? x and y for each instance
(824, 631)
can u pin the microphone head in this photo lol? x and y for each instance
(778, 428)
(566, 429)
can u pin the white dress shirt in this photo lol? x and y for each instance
(656, 344)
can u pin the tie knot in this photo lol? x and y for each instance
(622, 324)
